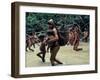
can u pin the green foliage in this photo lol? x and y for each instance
(38, 21)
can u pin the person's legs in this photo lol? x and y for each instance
(31, 49)
(26, 46)
(29, 45)
(58, 61)
(52, 57)
(42, 55)
(71, 42)
(76, 46)
(54, 52)
(39, 54)
(34, 45)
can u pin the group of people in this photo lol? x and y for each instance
(31, 40)
(51, 42)
(74, 37)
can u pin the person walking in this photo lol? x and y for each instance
(76, 38)
(53, 41)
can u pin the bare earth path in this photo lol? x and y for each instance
(65, 55)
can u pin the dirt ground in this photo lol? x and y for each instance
(66, 55)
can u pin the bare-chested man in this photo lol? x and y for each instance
(53, 40)
(70, 36)
(76, 39)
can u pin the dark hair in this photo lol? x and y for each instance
(42, 38)
(50, 23)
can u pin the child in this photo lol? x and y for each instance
(44, 41)
(42, 52)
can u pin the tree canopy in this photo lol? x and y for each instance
(37, 22)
